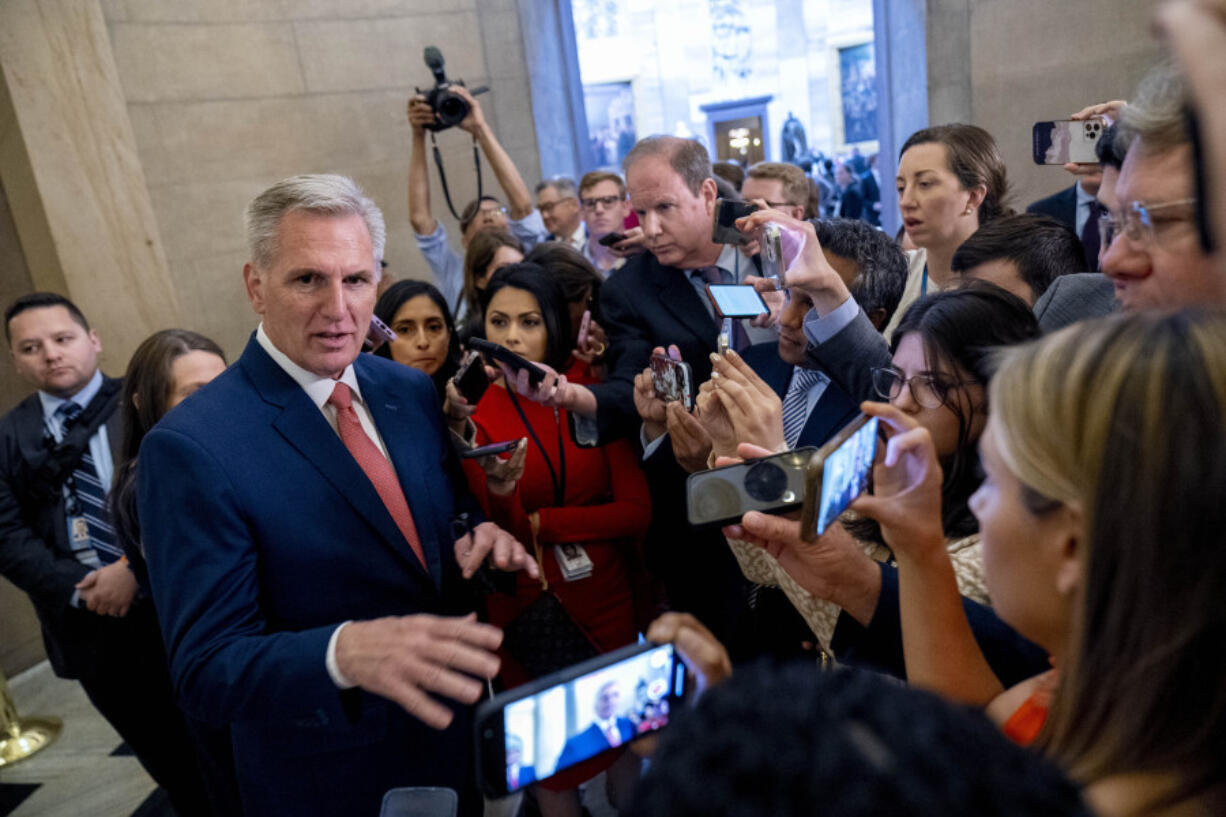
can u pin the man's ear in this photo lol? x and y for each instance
(255, 287)
(709, 193)
(1070, 565)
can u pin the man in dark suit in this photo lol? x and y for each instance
(608, 730)
(297, 516)
(57, 452)
(1077, 208)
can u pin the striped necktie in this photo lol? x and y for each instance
(796, 402)
(93, 538)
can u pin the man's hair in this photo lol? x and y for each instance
(40, 300)
(564, 186)
(686, 156)
(1042, 248)
(882, 265)
(469, 214)
(594, 178)
(729, 171)
(323, 194)
(795, 182)
(1108, 148)
(794, 741)
(1156, 114)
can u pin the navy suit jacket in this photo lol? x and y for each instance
(592, 741)
(834, 408)
(263, 535)
(1061, 206)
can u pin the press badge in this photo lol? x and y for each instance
(80, 529)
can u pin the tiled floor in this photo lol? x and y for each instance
(80, 773)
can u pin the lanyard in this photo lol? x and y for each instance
(924, 282)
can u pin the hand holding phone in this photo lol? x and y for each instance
(378, 334)
(774, 484)
(1062, 141)
(609, 239)
(512, 361)
(838, 473)
(673, 380)
(493, 449)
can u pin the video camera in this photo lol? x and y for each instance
(449, 107)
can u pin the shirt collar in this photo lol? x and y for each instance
(319, 389)
(729, 260)
(1083, 198)
(578, 237)
(51, 403)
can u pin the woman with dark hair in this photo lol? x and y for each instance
(592, 501)
(488, 251)
(166, 369)
(951, 179)
(943, 356)
(580, 283)
(426, 337)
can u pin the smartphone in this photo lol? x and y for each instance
(673, 380)
(727, 211)
(533, 732)
(512, 361)
(774, 484)
(609, 239)
(488, 450)
(378, 334)
(1064, 141)
(838, 473)
(771, 255)
(736, 301)
(470, 379)
(585, 324)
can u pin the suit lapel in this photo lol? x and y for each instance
(398, 420)
(303, 426)
(28, 418)
(678, 296)
(834, 410)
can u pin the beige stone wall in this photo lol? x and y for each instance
(1009, 63)
(228, 96)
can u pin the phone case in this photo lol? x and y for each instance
(721, 496)
(471, 380)
(816, 472)
(673, 380)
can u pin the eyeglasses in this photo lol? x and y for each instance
(490, 210)
(1139, 222)
(927, 390)
(548, 206)
(603, 201)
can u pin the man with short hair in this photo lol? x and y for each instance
(558, 202)
(299, 517)
(520, 219)
(1021, 253)
(782, 186)
(602, 195)
(58, 449)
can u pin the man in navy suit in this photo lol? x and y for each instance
(297, 515)
(608, 730)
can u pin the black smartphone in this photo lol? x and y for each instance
(673, 380)
(736, 301)
(609, 239)
(727, 211)
(487, 450)
(535, 731)
(378, 334)
(838, 473)
(1064, 141)
(503, 355)
(470, 379)
(774, 484)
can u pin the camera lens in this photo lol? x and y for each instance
(452, 109)
(715, 499)
(766, 482)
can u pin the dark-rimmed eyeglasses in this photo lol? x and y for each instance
(927, 390)
(606, 202)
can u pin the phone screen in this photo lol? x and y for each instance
(845, 473)
(577, 719)
(737, 300)
(673, 380)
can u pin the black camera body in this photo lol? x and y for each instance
(449, 107)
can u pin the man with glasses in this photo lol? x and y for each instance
(602, 196)
(558, 202)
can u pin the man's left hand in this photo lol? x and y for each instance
(502, 549)
(109, 591)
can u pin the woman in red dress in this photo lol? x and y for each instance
(592, 498)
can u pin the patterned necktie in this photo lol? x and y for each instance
(376, 466)
(93, 538)
(1090, 239)
(796, 402)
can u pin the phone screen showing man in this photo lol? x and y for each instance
(845, 473)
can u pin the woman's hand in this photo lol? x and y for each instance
(713, 416)
(906, 498)
(691, 444)
(807, 269)
(647, 402)
(456, 409)
(501, 476)
(753, 408)
(701, 651)
(554, 390)
(594, 345)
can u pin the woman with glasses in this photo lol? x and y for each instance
(942, 361)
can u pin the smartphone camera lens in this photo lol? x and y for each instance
(766, 482)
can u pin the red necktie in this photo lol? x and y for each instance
(613, 736)
(378, 469)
